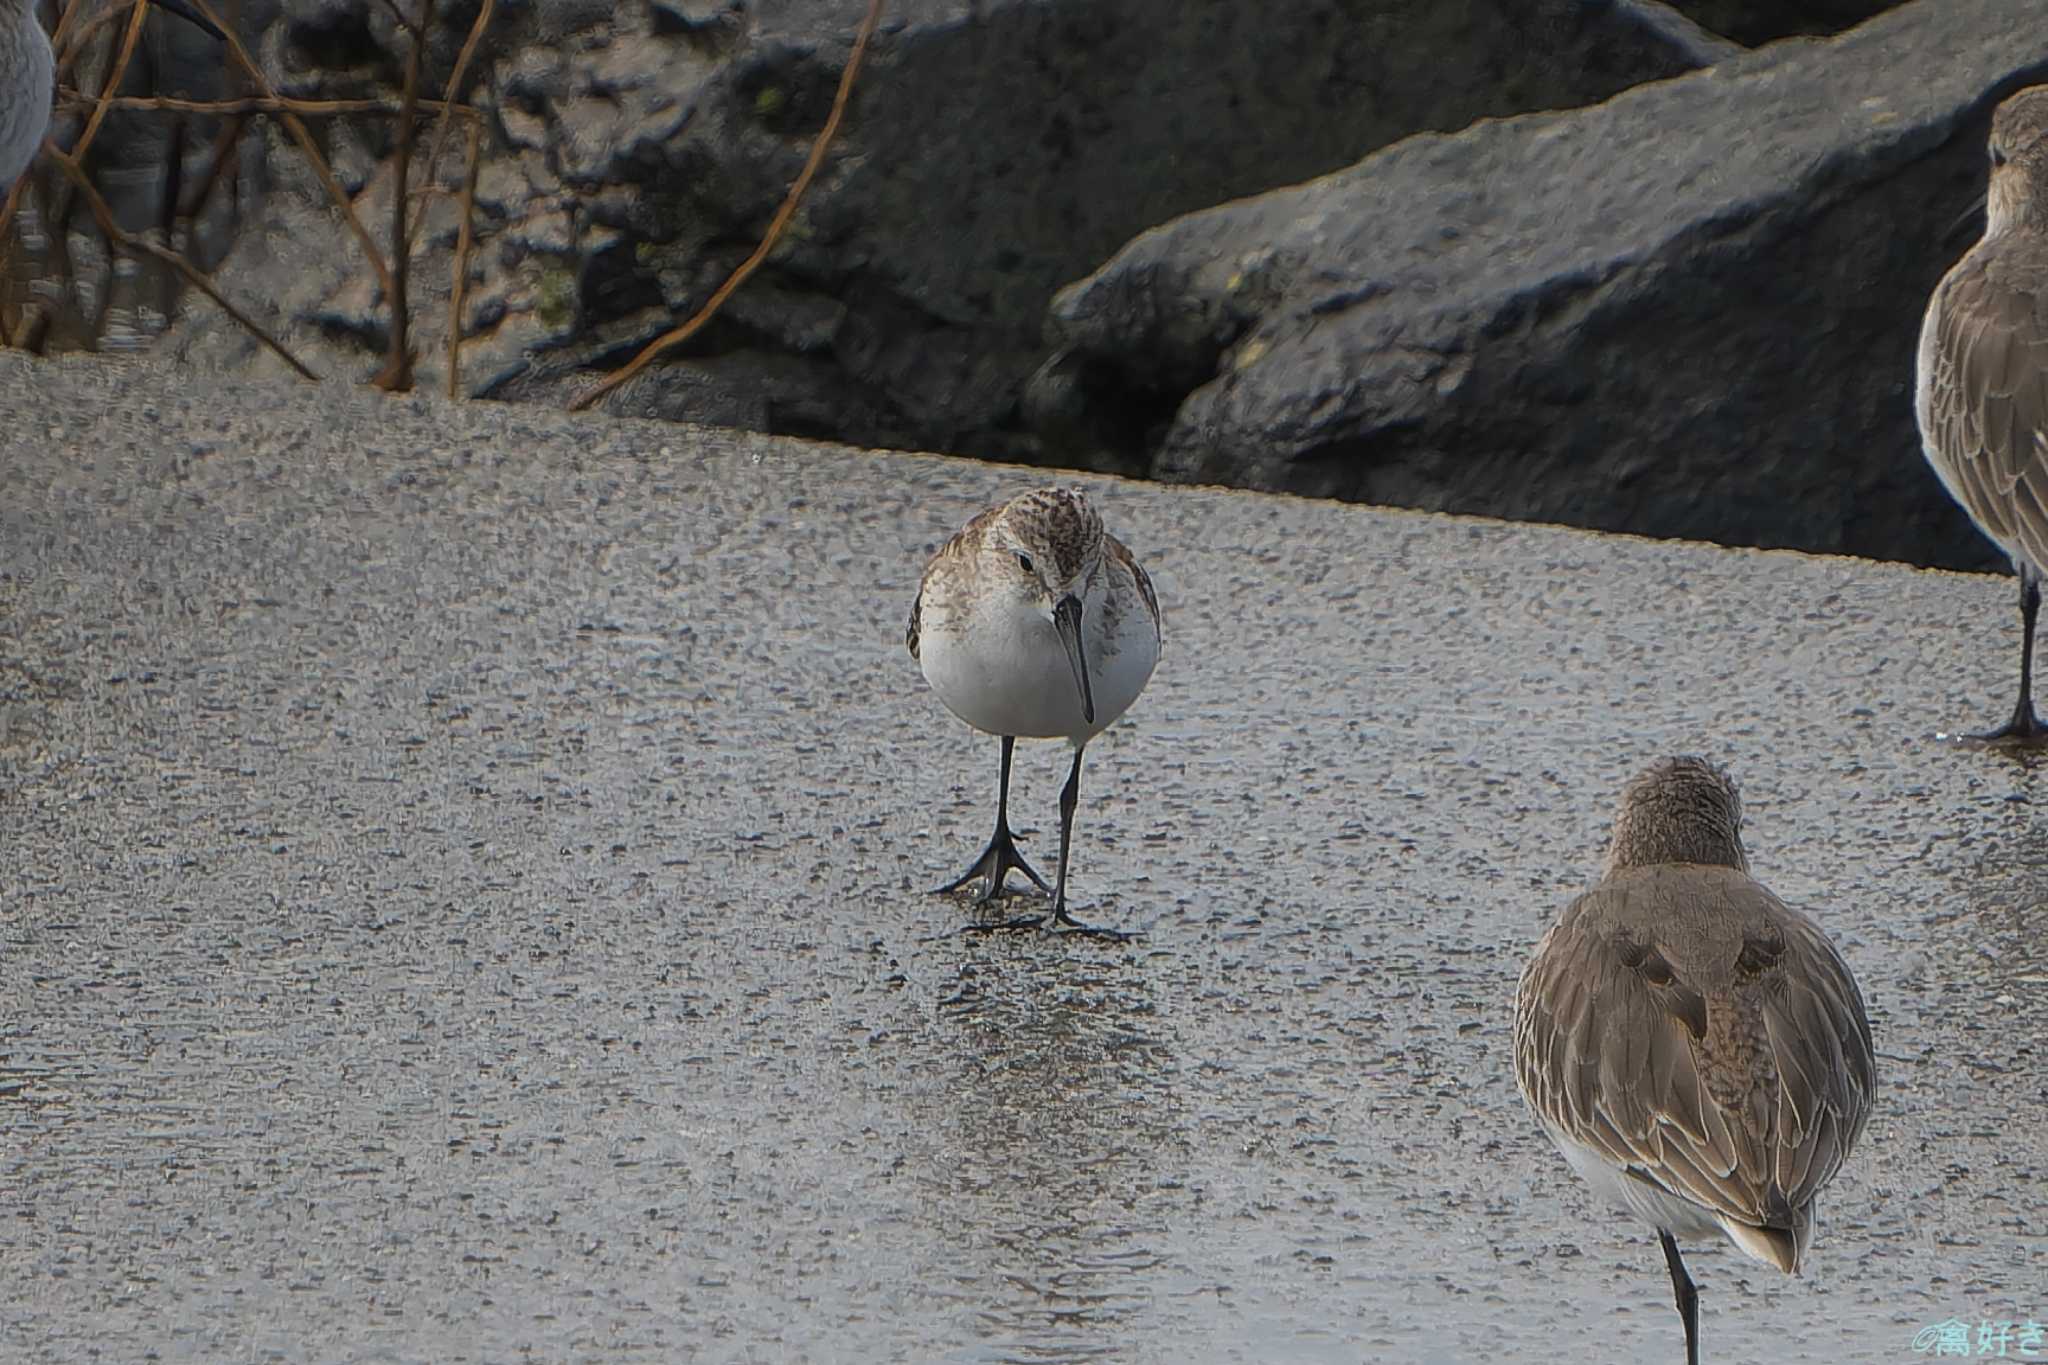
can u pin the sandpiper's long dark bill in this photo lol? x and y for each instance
(1696, 1048)
(1066, 619)
(1033, 622)
(1982, 395)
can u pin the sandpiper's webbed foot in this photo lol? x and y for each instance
(994, 864)
(2024, 731)
(2013, 737)
(1064, 923)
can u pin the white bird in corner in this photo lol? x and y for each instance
(28, 72)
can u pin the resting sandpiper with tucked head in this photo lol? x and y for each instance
(1033, 622)
(27, 70)
(1982, 397)
(1696, 1047)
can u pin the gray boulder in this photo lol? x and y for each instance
(1690, 311)
(995, 150)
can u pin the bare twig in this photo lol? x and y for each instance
(8, 204)
(65, 43)
(260, 104)
(297, 128)
(776, 226)
(462, 60)
(396, 376)
(62, 34)
(119, 236)
(461, 285)
(138, 11)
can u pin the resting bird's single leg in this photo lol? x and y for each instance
(1688, 1298)
(1001, 854)
(2025, 726)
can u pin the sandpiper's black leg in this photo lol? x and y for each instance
(1070, 797)
(1001, 854)
(2025, 726)
(1687, 1295)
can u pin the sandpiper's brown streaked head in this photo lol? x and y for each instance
(1679, 810)
(2017, 196)
(1056, 531)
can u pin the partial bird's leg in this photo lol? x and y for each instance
(2025, 726)
(1688, 1298)
(1001, 854)
(1070, 796)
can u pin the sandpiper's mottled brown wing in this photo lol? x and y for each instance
(1983, 393)
(953, 546)
(1120, 553)
(1701, 1035)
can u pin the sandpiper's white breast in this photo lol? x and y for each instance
(26, 74)
(1003, 670)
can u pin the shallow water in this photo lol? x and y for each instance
(464, 900)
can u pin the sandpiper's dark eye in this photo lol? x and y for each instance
(1997, 157)
(1024, 562)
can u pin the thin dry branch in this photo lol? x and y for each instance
(61, 36)
(65, 43)
(776, 226)
(259, 104)
(7, 203)
(461, 283)
(297, 128)
(138, 10)
(462, 60)
(396, 376)
(118, 235)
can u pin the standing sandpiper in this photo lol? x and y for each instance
(1035, 622)
(1982, 398)
(1696, 1047)
(27, 70)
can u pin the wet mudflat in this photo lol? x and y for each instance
(461, 899)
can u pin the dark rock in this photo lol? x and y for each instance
(994, 150)
(1690, 311)
(1755, 22)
